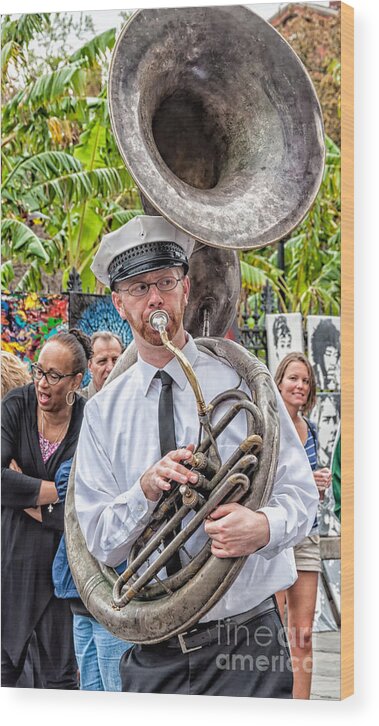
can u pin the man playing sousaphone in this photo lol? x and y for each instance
(138, 433)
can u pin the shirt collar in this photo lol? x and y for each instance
(174, 368)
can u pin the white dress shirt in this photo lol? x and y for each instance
(119, 441)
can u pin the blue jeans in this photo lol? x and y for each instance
(98, 654)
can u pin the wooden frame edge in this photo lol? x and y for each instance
(347, 357)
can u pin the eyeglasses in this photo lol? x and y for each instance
(164, 284)
(51, 376)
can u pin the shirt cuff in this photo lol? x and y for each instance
(277, 531)
(140, 508)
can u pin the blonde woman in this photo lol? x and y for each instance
(14, 372)
(296, 383)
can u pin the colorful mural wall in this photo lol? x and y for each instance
(27, 320)
(91, 313)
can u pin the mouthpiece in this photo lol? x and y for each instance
(158, 320)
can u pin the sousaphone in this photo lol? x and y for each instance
(219, 124)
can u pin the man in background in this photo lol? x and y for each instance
(107, 348)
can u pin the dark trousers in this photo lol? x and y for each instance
(52, 653)
(252, 659)
(30, 676)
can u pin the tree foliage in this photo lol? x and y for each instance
(310, 282)
(64, 182)
(314, 32)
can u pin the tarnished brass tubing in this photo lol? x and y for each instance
(177, 580)
(198, 461)
(154, 543)
(225, 420)
(239, 491)
(249, 461)
(241, 483)
(254, 441)
(246, 462)
(232, 462)
(235, 395)
(205, 468)
(164, 508)
(233, 480)
(190, 497)
(159, 320)
(233, 466)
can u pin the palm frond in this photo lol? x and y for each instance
(53, 85)
(77, 187)
(331, 147)
(31, 280)
(18, 238)
(122, 216)
(255, 278)
(9, 110)
(92, 143)
(7, 274)
(23, 30)
(95, 50)
(48, 88)
(9, 51)
(46, 165)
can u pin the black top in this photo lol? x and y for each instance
(28, 546)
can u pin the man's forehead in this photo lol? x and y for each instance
(101, 345)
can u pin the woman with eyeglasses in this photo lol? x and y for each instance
(40, 428)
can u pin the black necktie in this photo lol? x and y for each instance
(166, 414)
(168, 443)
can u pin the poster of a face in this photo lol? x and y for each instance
(326, 415)
(284, 335)
(324, 350)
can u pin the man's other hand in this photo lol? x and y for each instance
(236, 530)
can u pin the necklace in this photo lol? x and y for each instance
(48, 447)
(61, 432)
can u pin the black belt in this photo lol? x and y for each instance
(207, 633)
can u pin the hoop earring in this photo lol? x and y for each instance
(70, 398)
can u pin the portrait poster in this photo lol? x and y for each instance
(284, 335)
(68, 184)
(326, 416)
(324, 350)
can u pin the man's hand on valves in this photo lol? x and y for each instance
(156, 479)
